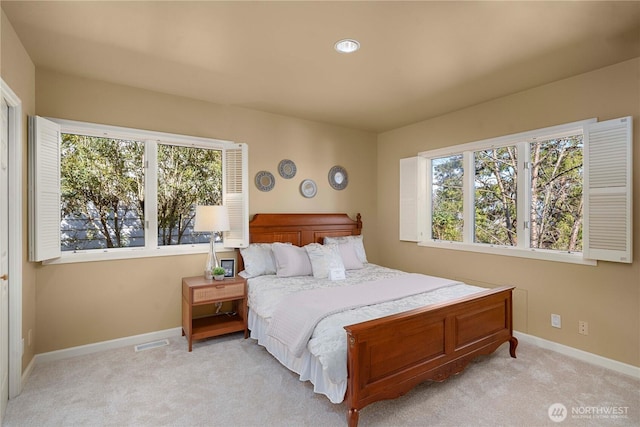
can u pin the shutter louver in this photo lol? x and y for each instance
(44, 189)
(608, 190)
(236, 196)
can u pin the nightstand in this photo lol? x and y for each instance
(199, 291)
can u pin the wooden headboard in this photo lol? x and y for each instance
(299, 228)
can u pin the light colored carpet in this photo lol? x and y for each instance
(229, 381)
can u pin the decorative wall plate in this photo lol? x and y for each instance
(308, 188)
(338, 178)
(287, 169)
(265, 181)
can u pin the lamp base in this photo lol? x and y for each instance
(212, 259)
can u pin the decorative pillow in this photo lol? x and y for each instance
(291, 260)
(323, 259)
(349, 256)
(258, 260)
(357, 244)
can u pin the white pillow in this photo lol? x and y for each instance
(291, 260)
(349, 256)
(258, 260)
(357, 244)
(323, 259)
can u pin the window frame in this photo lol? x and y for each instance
(152, 139)
(522, 142)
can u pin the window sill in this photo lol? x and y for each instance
(126, 253)
(573, 258)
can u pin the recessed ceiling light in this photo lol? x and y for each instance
(347, 46)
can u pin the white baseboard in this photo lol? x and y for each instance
(107, 345)
(594, 359)
(25, 376)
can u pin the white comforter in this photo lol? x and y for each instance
(297, 315)
(328, 342)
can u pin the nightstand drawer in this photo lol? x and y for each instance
(232, 290)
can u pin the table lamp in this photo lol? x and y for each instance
(211, 219)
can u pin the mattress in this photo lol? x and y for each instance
(324, 361)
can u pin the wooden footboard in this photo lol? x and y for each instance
(387, 357)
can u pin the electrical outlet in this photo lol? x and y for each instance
(556, 321)
(583, 327)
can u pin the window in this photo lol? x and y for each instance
(557, 170)
(187, 177)
(446, 214)
(101, 193)
(530, 194)
(495, 200)
(118, 192)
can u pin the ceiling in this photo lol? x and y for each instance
(418, 59)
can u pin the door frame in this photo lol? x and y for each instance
(15, 238)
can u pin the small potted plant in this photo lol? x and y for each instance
(218, 273)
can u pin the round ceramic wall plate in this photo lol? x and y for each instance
(265, 181)
(338, 178)
(308, 188)
(287, 169)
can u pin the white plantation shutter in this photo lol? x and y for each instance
(44, 189)
(409, 199)
(236, 196)
(607, 233)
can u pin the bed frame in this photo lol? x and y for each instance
(387, 357)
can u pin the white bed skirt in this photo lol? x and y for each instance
(307, 365)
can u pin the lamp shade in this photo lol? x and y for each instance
(211, 218)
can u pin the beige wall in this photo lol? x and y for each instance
(607, 296)
(91, 302)
(18, 72)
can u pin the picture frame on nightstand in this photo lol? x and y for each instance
(229, 266)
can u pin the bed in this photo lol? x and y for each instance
(387, 356)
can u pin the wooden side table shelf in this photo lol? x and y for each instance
(199, 291)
